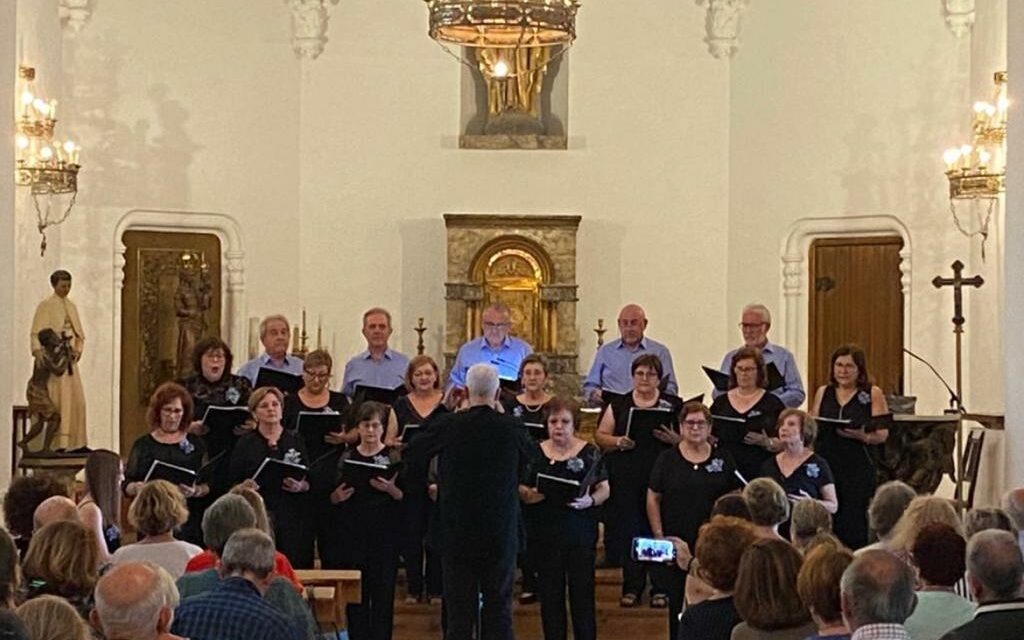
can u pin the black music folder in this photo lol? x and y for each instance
(729, 429)
(409, 432)
(560, 490)
(221, 422)
(286, 382)
(172, 473)
(720, 379)
(312, 426)
(364, 393)
(538, 430)
(642, 422)
(358, 473)
(272, 472)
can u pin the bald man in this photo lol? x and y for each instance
(877, 596)
(135, 601)
(612, 364)
(54, 509)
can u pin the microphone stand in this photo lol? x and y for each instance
(955, 403)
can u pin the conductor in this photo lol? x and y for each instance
(482, 453)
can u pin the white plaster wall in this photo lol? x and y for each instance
(11, 348)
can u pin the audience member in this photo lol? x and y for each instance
(100, 507)
(235, 609)
(877, 596)
(156, 512)
(810, 518)
(52, 618)
(994, 572)
(922, 511)
(54, 509)
(982, 518)
(135, 601)
(10, 625)
(939, 555)
(1013, 503)
(62, 560)
(769, 506)
(731, 504)
(886, 508)
(818, 587)
(20, 502)
(766, 595)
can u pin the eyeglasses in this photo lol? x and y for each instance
(696, 424)
(317, 376)
(496, 325)
(746, 369)
(640, 373)
(752, 325)
(172, 411)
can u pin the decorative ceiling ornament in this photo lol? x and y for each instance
(959, 16)
(47, 166)
(723, 26)
(309, 27)
(75, 13)
(503, 24)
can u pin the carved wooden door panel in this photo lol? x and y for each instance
(171, 299)
(856, 296)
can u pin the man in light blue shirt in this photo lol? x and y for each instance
(377, 366)
(755, 322)
(275, 334)
(496, 348)
(614, 360)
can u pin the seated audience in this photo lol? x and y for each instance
(10, 625)
(720, 545)
(922, 511)
(100, 507)
(62, 560)
(886, 508)
(818, 587)
(982, 518)
(235, 609)
(878, 596)
(156, 512)
(52, 618)
(228, 514)
(766, 595)
(54, 509)
(23, 496)
(939, 555)
(731, 504)
(769, 506)
(1013, 503)
(994, 572)
(810, 518)
(135, 601)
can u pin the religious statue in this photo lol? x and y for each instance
(191, 302)
(64, 384)
(513, 95)
(53, 360)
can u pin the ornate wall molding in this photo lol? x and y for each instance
(75, 13)
(723, 26)
(309, 27)
(232, 280)
(959, 16)
(795, 258)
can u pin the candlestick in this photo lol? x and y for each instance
(254, 337)
(420, 328)
(600, 331)
(319, 330)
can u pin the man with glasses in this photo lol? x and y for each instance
(613, 362)
(755, 322)
(495, 348)
(378, 366)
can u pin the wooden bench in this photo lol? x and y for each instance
(330, 591)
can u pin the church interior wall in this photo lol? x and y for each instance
(11, 349)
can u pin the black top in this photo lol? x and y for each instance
(483, 454)
(249, 453)
(229, 391)
(528, 415)
(405, 413)
(634, 466)
(810, 476)
(189, 453)
(554, 523)
(11, 627)
(689, 490)
(763, 416)
(709, 620)
(992, 621)
(293, 405)
(368, 497)
(834, 447)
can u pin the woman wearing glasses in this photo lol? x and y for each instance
(685, 482)
(315, 397)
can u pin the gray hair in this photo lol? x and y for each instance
(878, 588)
(277, 317)
(767, 502)
(994, 560)
(372, 311)
(887, 506)
(482, 381)
(766, 315)
(498, 306)
(983, 518)
(1013, 503)
(248, 550)
(228, 514)
(130, 599)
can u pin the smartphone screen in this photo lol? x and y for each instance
(652, 550)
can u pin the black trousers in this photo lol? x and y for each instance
(414, 551)
(294, 534)
(559, 566)
(673, 580)
(373, 618)
(466, 580)
(627, 517)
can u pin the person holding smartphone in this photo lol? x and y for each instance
(562, 536)
(685, 483)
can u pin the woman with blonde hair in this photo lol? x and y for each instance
(62, 560)
(157, 511)
(922, 511)
(52, 618)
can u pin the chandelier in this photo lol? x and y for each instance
(503, 24)
(47, 166)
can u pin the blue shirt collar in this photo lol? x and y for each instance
(505, 344)
(266, 359)
(641, 346)
(365, 355)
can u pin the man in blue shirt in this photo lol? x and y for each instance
(755, 322)
(378, 366)
(612, 364)
(495, 348)
(235, 609)
(275, 334)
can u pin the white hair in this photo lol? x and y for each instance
(766, 315)
(277, 317)
(482, 381)
(138, 618)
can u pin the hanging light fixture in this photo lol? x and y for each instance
(503, 24)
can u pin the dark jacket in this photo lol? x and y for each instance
(993, 621)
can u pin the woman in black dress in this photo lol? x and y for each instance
(629, 470)
(848, 440)
(685, 483)
(530, 403)
(371, 516)
(168, 440)
(744, 418)
(288, 503)
(412, 411)
(561, 537)
(802, 473)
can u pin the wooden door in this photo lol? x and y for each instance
(856, 296)
(171, 299)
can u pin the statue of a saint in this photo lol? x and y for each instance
(54, 359)
(191, 302)
(58, 314)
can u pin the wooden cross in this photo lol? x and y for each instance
(958, 282)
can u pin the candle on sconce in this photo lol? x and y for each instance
(53, 109)
(254, 337)
(295, 338)
(319, 330)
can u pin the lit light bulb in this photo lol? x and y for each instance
(983, 158)
(990, 110)
(69, 147)
(21, 140)
(979, 107)
(500, 69)
(46, 153)
(966, 150)
(1004, 103)
(27, 97)
(951, 156)
(40, 105)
